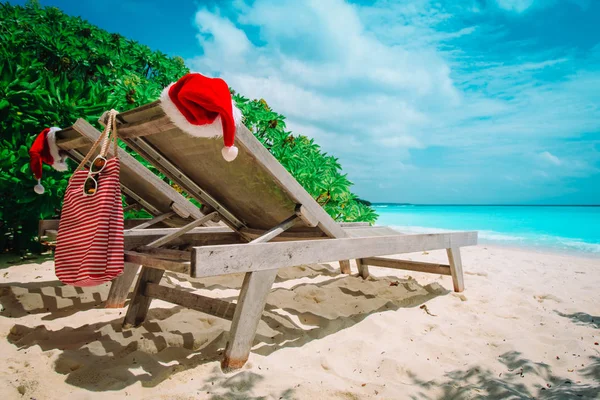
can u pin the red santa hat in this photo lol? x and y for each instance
(202, 107)
(44, 150)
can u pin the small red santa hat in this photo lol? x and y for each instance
(202, 107)
(44, 150)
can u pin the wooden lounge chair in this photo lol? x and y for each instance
(276, 224)
(144, 190)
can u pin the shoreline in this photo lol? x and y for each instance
(506, 243)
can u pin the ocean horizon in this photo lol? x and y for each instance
(562, 228)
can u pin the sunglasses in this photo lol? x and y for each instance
(90, 186)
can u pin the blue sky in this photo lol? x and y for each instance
(473, 101)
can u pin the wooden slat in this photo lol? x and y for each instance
(363, 269)
(207, 305)
(407, 265)
(154, 220)
(287, 182)
(251, 303)
(218, 260)
(456, 268)
(345, 267)
(154, 125)
(117, 295)
(163, 164)
(140, 303)
(134, 257)
(167, 254)
(182, 231)
(201, 230)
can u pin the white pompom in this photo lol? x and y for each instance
(39, 189)
(229, 153)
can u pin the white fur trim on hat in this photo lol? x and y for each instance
(59, 162)
(213, 130)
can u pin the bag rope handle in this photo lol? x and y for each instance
(105, 138)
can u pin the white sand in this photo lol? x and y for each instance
(526, 326)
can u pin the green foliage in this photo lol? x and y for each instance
(56, 68)
(318, 172)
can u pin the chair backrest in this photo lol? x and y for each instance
(254, 192)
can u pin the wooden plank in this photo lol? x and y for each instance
(154, 220)
(345, 267)
(363, 231)
(353, 224)
(163, 164)
(154, 125)
(140, 303)
(201, 230)
(456, 268)
(306, 216)
(181, 267)
(182, 231)
(167, 254)
(363, 269)
(251, 303)
(218, 260)
(207, 305)
(72, 143)
(433, 268)
(119, 289)
(248, 311)
(298, 194)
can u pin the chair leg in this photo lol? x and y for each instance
(345, 267)
(248, 311)
(140, 303)
(456, 268)
(363, 269)
(120, 286)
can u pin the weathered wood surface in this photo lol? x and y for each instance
(207, 305)
(248, 311)
(218, 260)
(269, 192)
(119, 289)
(182, 231)
(251, 303)
(169, 165)
(345, 267)
(181, 267)
(166, 254)
(154, 220)
(365, 231)
(308, 219)
(433, 268)
(456, 268)
(363, 269)
(140, 303)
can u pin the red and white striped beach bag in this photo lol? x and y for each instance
(89, 245)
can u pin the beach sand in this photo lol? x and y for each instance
(527, 325)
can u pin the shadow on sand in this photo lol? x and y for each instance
(481, 383)
(102, 356)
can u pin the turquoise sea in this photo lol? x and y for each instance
(559, 228)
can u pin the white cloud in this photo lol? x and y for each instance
(515, 5)
(377, 83)
(551, 158)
